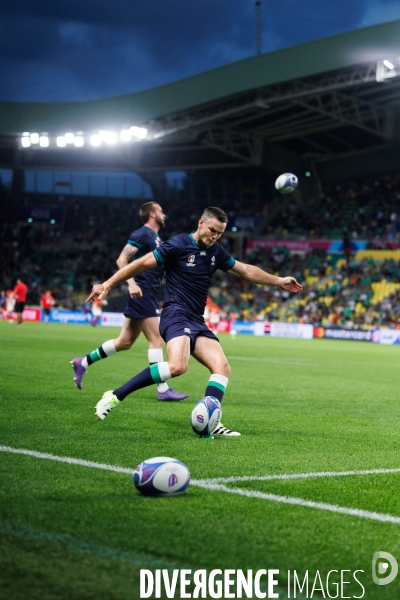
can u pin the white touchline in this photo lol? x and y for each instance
(213, 485)
(356, 512)
(67, 459)
(301, 475)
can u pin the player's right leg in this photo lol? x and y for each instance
(129, 333)
(178, 351)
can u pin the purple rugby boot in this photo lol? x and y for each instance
(79, 371)
(170, 395)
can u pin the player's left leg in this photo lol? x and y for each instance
(151, 330)
(209, 353)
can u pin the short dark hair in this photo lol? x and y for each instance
(213, 212)
(145, 210)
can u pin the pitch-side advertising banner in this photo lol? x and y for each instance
(29, 314)
(110, 319)
(285, 330)
(387, 336)
(61, 315)
(260, 328)
(334, 246)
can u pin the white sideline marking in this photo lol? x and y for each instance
(300, 362)
(211, 484)
(67, 459)
(301, 475)
(365, 514)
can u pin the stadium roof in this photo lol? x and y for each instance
(321, 100)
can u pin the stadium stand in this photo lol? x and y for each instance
(316, 110)
(67, 258)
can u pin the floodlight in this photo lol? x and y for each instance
(111, 137)
(52, 221)
(34, 138)
(95, 140)
(125, 135)
(103, 135)
(25, 141)
(44, 141)
(30, 220)
(388, 64)
(138, 132)
(61, 143)
(79, 141)
(69, 138)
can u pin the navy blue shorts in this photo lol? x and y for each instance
(144, 307)
(174, 323)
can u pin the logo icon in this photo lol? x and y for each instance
(186, 330)
(191, 259)
(173, 480)
(380, 565)
(200, 418)
(213, 259)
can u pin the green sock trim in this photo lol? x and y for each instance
(155, 373)
(217, 385)
(95, 355)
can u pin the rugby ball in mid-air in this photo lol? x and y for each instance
(286, 183)
(206, 416)
(161, 476)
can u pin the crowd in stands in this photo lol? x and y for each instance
(367, 209)
(361, 294)
(68, 258)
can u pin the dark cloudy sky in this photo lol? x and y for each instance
(86, 49)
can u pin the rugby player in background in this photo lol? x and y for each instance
(142, 313)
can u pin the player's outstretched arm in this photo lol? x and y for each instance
(147, 262)
(257, 275)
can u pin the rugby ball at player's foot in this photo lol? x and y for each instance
(161, 476)
(206, 416)
(286, 183)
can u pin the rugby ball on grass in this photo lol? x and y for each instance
(206, 416)
(161, 476)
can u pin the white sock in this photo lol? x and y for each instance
(109, 347)
(85, 363)
(155, 355)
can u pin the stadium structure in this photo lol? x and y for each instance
(330, 106)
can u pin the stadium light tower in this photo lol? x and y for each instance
(258, 28)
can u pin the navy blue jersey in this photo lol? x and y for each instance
(147, 240)
(188, 271)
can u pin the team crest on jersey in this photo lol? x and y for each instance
(190, 261)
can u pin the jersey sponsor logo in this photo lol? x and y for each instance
(187, 330)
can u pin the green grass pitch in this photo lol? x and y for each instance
(74, 532)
